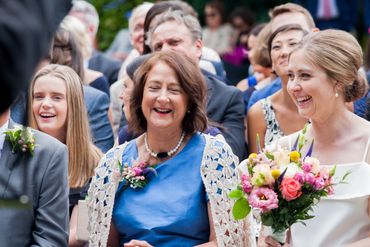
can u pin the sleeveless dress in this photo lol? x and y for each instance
(171, 210)
(273, 131)
(341, 218)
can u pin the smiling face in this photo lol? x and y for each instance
(137, 33)
(125, 95)
(176, 37)
(49, 106)
(164, 102)
(310, 88)
(281, 46)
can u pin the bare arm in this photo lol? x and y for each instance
(73, 242)
(256, 125)
(113, 238)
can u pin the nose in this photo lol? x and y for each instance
(293, 85)
(285, 50)
(46, 103)
(163, 97)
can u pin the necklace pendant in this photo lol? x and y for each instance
(162, 155)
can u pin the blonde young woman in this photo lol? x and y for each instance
(56, 107)
(324, 74)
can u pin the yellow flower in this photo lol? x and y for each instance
(275, 173)
(294, 156)
(252, 156)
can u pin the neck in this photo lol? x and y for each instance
(4, 117)
(163, 140)
(330, 128)
(286, 99)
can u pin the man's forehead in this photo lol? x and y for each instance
(288, 19)
(174, 26)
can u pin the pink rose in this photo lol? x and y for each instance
(290, 189)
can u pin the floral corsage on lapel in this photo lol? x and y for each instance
(135, 176)
(21, 138)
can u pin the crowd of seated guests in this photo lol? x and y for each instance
(188, 103)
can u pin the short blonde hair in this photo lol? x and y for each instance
(292, 8)
(340, 55)
(75, 26)
(83, 155)
(138, 11)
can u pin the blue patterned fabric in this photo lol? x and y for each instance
(171, 210)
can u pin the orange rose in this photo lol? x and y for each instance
(290, 189)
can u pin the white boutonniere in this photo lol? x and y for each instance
(21, 138)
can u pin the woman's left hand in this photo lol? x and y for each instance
(137, 243)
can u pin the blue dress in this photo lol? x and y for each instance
(171, 210)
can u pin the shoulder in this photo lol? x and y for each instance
(221, 86)
(46, 142)
(256, 111)
(93, 95)
(217, 146)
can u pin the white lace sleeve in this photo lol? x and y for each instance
(220, 177)
(100, 198)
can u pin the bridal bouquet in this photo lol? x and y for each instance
(283, 187)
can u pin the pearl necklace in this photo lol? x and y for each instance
(162, 155)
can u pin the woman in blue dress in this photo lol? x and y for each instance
(185, 202)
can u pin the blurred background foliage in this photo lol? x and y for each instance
(114, 14)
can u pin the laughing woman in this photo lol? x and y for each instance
(185, 202)
(57, 108)
(324, 75)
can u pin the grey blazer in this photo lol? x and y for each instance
(46, 173)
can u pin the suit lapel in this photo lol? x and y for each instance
(7, 161)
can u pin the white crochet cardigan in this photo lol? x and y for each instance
(219, 177)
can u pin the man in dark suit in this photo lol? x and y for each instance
(88, 15)
(179, 32)
(26, 28)
(43, 179)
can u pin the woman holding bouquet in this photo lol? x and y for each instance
(324, 75)
(170, 185)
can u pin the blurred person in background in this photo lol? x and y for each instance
(88, 15)
(90, 77)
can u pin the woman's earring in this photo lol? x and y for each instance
(336, 93)
(188, 111)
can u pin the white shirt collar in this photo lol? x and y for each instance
(2, 135)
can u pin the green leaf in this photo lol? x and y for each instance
(236, 194)
(241, 209)
(332, 171)
(258, 142)
(270, 156)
